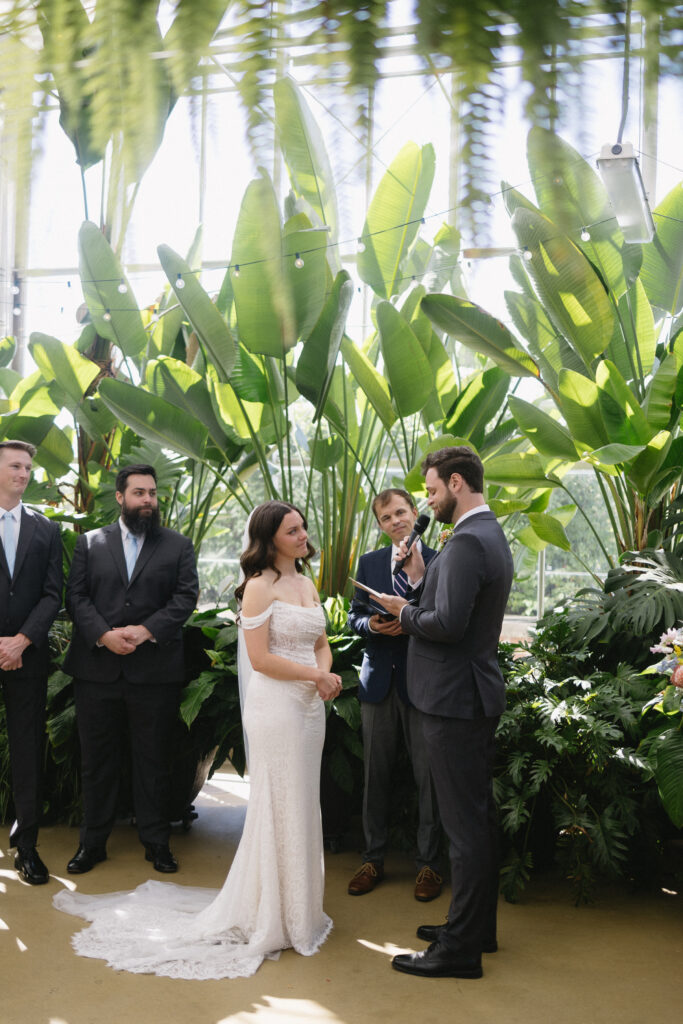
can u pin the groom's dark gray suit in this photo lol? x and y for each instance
(455, 681)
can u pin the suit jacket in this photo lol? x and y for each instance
(384, 659)
(161, 594)
(32, 597)
(455, 627)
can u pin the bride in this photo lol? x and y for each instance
(272, 898)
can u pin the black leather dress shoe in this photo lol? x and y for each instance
(85, 859)
(431, 932)
(161, 857)
(435, 962)
(30, 866)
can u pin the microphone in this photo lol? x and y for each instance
(421, 524)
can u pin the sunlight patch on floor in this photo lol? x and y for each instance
(285, 1011)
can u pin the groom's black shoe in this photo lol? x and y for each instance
(437, 962)
(30, 866)
(85, 859)
(161, 857)
(431, 932)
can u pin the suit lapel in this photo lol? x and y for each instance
(27, 528)
(115, 545)
(145, 554)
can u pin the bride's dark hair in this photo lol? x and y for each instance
(260, 552)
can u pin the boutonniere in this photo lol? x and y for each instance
(443, 537)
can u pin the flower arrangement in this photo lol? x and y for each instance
(443, 537)
(671, 646)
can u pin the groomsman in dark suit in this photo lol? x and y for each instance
(30, 597)
(455, 681)
(131, 588)
(386, 713)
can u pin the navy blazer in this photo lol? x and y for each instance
(32, 597)
(161, 595)
(455, 624)
(384, 659)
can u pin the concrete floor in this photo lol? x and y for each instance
(618, 961)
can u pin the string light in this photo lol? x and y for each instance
(298, 262)
(15, 289)
(585, 235)
(107, 315)
(361, 245)
(16, 311)
(236, 271)
(527, 253)
(179, 281)
(122, 288)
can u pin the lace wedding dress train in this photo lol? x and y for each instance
(272, 898)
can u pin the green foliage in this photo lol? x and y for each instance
(570, 780)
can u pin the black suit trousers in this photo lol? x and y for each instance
(25, 699)
(461, 760)
(106, 713)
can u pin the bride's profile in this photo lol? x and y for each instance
(272, 898)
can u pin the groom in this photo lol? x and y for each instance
(455, 681)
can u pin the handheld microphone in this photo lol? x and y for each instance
(421, 524)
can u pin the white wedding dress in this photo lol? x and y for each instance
(272, 898)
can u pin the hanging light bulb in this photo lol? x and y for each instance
(236, 271)
(527, 253)
(16, 311)
(361, 245)
(585, 235)
(179, 281)
(15, 289)
(122, 288)
(106, 315)
(298, 262)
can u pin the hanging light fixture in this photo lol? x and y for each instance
(621, 177)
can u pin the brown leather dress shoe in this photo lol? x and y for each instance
(427, 885)
(366, 878)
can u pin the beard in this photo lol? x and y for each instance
(446, 509)
(141, 521)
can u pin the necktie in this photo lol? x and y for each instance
(131, 553)
(9, 540)
(401, 583)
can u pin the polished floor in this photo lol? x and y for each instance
(617, 962)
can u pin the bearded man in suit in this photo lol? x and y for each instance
(131, 588)
(30, 598)
(455, 681)
(387, 715)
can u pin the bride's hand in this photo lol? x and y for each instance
(329, 685)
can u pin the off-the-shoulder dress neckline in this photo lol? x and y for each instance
(278, 600)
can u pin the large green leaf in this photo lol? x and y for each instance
(478, 330)
(547, 435)
(154, 418)
(636, 357)
(519, 469)
(406, 366)
(567, 285)
(115, 313)
(571, 194)
(662, 270)
(304, 151)
(180, 385)
(669, 774)
(549, 529)
(304, 254)
(263, 300)
(319, 354)
(208, 324)
(622, 415)
(8, 347)
(62, 363)
(580, 406)
(394, 217)
(644, 470)
(657, 405)
(480, 401)
(371, 382)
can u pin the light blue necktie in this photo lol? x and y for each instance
(9, 540)
(131, 553)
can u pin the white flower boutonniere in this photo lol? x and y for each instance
(443, 537)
